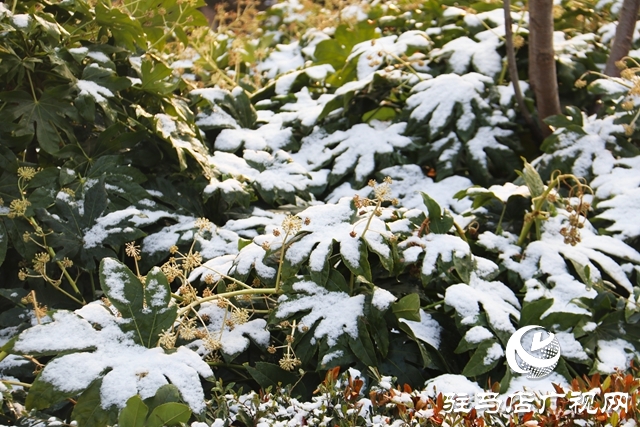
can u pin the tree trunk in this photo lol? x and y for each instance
(513, 73)
(624, 36)
(542, 62)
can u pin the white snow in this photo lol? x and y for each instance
(614, 354)
(498, 301)
(382, 299)
(427, 329)
(94, 90)
(132, 369)
(336, 312)
(21, 20)
(478, 334)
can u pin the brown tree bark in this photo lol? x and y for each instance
(513, 73)
(542, 62)
(624, 36)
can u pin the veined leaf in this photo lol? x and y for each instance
(147, 307)
(46, 117)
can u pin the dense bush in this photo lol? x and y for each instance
(187, 213)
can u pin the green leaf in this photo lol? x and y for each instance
(362, 268)
(169, 414)
(147, 307)
(47, 117)
(335, 281)
(382, 113)
(134, 413)
(154, 78)
(438, 223)
(43, 394)
(532, 312)
(532, 179)
(88, 412)
(270, 375)
(126, 30)
(165, 394)
(476, 365)
(362, 346)
(407, 308)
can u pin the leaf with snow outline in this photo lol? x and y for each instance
(372, 54)
(276, 177)
(547, 259)
(352, 151)
(440, 252)
(584, 150)
(336, 312)
(125, 367)
(447, 97)
(234, 339)
(498, 302)
(464, 53)
(331, 223)
(618, 197)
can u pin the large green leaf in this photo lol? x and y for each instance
(270, 375)
(484, 359)
(169, 414)
(47, 117)
(407, 308)
(146, 306)
(43, 394)
(134, 414)
(89, 413)
(439, 223)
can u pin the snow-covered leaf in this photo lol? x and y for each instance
(335, 312)
(234, 339)
(500, 304)
(447, 98)
(356, 150)
(125, 367)
(546, 264)
(618, 195)
(276, 177)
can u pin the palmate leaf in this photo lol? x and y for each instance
(354, 151)
(80, 230)
(145, 307)
(169, 16)
(276, 177)
(343, 224)
(547, 265)
(618, 197)
(46, 117)
(498, 302)
(448, 99)
(93, 338)
(337, 313)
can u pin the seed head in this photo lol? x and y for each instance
(289, 362)
(27, 173)
(240, 316)
(203, 224)
(211, 343)
(18, 207)
(627, 105)
(292, 224)
(167, 339)
(132, 251)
